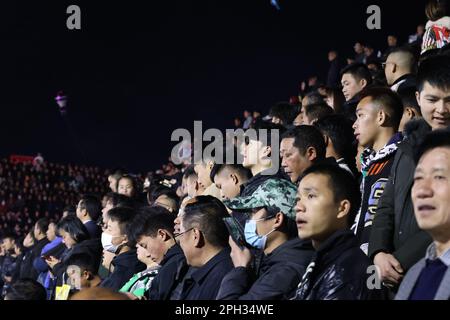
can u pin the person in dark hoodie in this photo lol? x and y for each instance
(76, 239)
(376, 128)
(354, 78)
(115, 241)
(327, 201)
(153, 230)
(396, 242)
(273, 231)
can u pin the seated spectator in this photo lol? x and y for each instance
(115, 241)
(283, 113)
(97, 293)
(203, 238)
(229, 178)
(312, 98)
(299, 148)
(164, 197)
(314, 112)
(113, 179)
(128, 186)
(203, 171)
(8, 265)
(411, 109)
(354, 78)
(376, 128)
(152, 230)
(327, 201)
(271, 230)
(26, 266)
(40, 234)
(339, 140)
(192, 186)
(115, 200)
(76, 239)
(26, 289)
(428, 279)
(84, 275)
(258, 158)
(88, 210)
(399, 69)
(397, 242)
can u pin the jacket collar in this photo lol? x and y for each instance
(173, 251)
(334, 246)
(200, 275)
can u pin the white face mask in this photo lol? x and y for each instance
(107, 243)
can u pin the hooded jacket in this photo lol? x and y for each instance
(338, 271)
(277, 278)
(395, 228)
(251, 185)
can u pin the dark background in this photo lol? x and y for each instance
(136, 71)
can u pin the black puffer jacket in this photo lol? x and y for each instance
(395, 228)
(277, 278)
(338, 271)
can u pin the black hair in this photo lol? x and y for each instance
(435, 139)
(74, 227)
(42, 224)
(123, 216)
(436, 9)
(26, 289)
(285, 112)
(120, 200)
(408, 96)
(338, 128)
(190, 172)
(313, 98)
(413, 58)
(436, 71)
(206, 213)
(305, 137)
(148, 221)
(92, 205)
(84, 261)
(137, 188)
(70, 209)
(269, 127)
(343, 185)
(359, 71)
(318, 110)
(338, 98)
(238, 169)
(387, 100)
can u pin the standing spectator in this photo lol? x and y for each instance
(415, 40)
(376, 128)
(392, 45)
(411, 109)
(354, 79)
(335, 99)
(248, 120)
(40, 234)
(399, 69)
(333, 77)
(359, 53)
(229, 179)
(396, 241)
(429, 278)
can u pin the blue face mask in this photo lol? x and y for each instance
(252, 237)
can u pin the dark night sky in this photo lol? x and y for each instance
(137, 71)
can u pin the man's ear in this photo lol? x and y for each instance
(87, 275)
(162, 234)
(199, 240)
(234, 178)
(382, 117)
(418, 97)
(326, 139)
(279, 218)
(344, 209)
(210, 165)
(363, 83)
(311, 153)
(267, 151)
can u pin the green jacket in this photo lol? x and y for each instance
(140, 282)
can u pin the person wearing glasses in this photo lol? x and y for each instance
(399, 69)
(203, 237)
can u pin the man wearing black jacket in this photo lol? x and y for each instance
(40, 234)
(274, 233)
(396, 242)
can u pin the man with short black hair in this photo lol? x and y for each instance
(376, 128)
(314, 112)
(396, 241)
(399, 69)
(327, 201)
(81, 270)
(88, 210)
(354, 78)
(411, 109)
(26, 289)
(229, 178)
(283, 113)
(40, 234)
(203, 238)
(300, 148)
